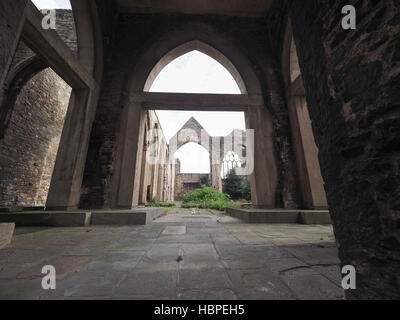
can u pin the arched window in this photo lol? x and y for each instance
(198, 72)
(231, 160)
(195, 72)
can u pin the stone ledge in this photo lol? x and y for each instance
(281, 216)
(126, 217)
(47, 219)
(81, 218)
(315, 217)
(6, 233)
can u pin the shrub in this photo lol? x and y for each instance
(245, 190)
(205, 194)
(236, 186)
(232, 185)
(207, 198)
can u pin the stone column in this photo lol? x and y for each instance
(216, 180)
(311, 183)
(264, 179)
(215, 162)
(11, 22)
(65, 187)
(126, 183)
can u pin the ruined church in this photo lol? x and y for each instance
(77, 117)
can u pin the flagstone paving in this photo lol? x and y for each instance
(179, 256)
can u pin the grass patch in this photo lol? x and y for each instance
(157, 204)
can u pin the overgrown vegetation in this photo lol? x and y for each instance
(156, 204)
(208, 198)
(236, 186)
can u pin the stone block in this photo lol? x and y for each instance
(6, 233)
(281, 216)
(126, 217)
(47, 219)
(315, 217)
(265, 216)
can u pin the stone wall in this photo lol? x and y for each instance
(65, 27)
(10, 23)
(185, 182)
(29, 147)
(352, 83)
(156, 175)
(33, 102)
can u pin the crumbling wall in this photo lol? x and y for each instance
(185, 182)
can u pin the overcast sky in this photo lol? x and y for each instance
(196, 72)
(52, 4)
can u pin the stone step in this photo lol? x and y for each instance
(126, 217)
(81, 218)
(251, 215)
(47, 218)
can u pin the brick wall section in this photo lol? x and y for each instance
(352, 82)
(29, 148)
(185, 182)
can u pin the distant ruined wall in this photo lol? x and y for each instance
(156, 177)
(185, 182)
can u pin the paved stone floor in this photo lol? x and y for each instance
(179, 256)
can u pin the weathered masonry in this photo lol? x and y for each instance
(324, 104)
(217, 147)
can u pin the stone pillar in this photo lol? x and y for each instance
(216, 180)
(11, 22)
(65, 187)
(264, 179)
(215, 161)
(352, 82)
(126, 183)
(311, 183)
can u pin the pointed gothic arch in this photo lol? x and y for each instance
(203, 48)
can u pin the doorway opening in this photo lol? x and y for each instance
(191, 134)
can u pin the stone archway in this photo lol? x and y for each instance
(202, 47)
(193, 131)
(138, 80)
(217, 146)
